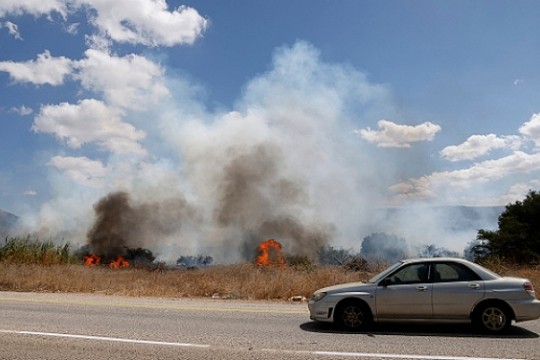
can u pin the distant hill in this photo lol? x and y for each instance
(469, 217)
(475, 217)
(452, 227)
(458, 218)
(7, 221)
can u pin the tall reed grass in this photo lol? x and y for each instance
(32, 251)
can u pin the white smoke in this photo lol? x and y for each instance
(284, 163)
(286, 154)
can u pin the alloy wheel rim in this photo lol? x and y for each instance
(493, 318)
(353, 316)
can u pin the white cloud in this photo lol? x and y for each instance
(12, 28)
(33, 7)
(518, 191)
(531, 129)
(147, 22)
(445, 184)
(45, 70)
(89, 121)
(30, 193)
(81, 169)
(467, 185)
(479, 145)
(130, 82)
(401, 136)
(73, 28)
(22, 110)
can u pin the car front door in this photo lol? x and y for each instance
(405, 294)
(456, 289)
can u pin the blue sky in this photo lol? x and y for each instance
(363, 104)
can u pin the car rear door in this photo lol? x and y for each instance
(456, 289)
(405, 294)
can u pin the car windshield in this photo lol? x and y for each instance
(383, 274)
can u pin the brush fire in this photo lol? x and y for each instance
(121, 227)
(128, 257)
(93, 260)
(270, 254)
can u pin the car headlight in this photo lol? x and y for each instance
(318, 296)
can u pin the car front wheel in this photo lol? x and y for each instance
(493, 318)
(353, 315)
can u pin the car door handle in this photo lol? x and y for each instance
(422, 288)
(474, 286)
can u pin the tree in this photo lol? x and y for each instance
(518, 236)
(477, 249)
(382, 246)
(194, 262)
(432, 250)
(329, 255)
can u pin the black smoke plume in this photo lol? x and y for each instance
(115, 224)
(256, 197)
(125, 229)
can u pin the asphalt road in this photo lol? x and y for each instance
(75, 326)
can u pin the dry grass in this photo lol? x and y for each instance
(27, 264)
(240, 281)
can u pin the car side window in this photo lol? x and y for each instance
(411, 274)
(449, 272)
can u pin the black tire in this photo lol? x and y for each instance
(353, 315)
(494, 318)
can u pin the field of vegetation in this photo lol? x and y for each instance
(33, 266)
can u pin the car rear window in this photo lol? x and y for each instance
(448, 272)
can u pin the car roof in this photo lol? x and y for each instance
(437, 259)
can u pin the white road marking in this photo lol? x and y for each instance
(403, 356)
(103, 338)
(298, 352)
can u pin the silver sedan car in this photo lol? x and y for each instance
(434, 289)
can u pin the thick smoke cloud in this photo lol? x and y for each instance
(253, 204)
(284, 163)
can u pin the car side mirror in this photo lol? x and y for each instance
(385, 282)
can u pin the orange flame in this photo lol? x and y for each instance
(270, 254)
(118, 263)
(91, 260)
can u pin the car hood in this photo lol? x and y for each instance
(356, 286)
